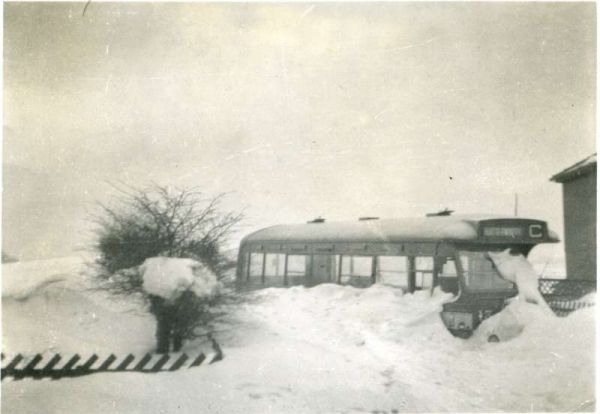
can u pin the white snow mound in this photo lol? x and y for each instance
(21, 279)
(511, 321)
(328, 349)
(169, 277)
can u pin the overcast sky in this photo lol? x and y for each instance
(340, 110)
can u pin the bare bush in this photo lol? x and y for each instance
(140, 223)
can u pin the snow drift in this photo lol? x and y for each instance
(303, 350)
(21, 279)
(51, 306)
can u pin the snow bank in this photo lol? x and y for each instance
(365, 350)
(50, 306)
(513, 320)
(169, 277)
(60, 318)
(328, 349)
(22, 279)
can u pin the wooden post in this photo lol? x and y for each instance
(142, 362)
(339, 272)
(160, 363)
(106, 364)
(125, 363)
(199, 359)
(11, 367)
(88, 364)
(179, 362)
(50, 365)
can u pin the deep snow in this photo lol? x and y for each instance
(324, 349)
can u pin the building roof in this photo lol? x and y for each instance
(583, 167)
(385, 230)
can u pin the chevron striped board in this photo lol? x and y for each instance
(55, 366)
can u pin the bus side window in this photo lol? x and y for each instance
(256, 268)
(393, 271)
(449, 268)
(356, 271)
(296, 272)
(274, 269)
(424, 272)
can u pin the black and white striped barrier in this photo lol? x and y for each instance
(55, 366)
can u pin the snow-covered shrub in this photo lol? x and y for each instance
(160, 222)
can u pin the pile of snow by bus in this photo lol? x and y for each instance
(315, 338)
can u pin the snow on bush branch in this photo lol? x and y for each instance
(159, 221)
(169, 277)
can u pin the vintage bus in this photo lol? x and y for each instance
(411, 254)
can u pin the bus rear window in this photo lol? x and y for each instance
(480, 273)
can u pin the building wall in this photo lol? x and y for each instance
(579, 198)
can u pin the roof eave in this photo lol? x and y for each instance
(566, 176)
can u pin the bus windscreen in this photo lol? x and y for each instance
(480, 274)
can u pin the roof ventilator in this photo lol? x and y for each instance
(444, 212)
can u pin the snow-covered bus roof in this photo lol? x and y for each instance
(450, 228)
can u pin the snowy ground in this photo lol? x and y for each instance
(325, 349)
